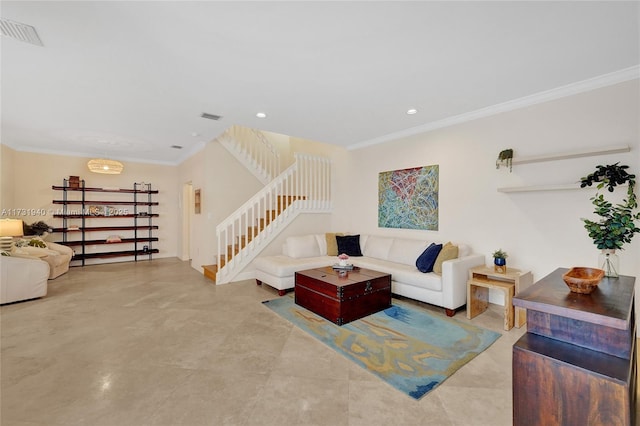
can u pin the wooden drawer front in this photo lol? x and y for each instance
(327, 288)
(364, 305)
(363, 288)
(321, 304)
(554, 384)
(588, 335)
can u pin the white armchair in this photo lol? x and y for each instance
(22, 278)
(56, 255)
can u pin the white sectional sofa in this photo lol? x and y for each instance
(22, 278)
(393, 255)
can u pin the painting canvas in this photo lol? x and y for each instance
(408, 198)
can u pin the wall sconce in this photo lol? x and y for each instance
(109, 167)
(9, 228)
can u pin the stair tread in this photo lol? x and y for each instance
(210, 271)
(253, 231)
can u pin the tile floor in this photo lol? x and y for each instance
(155, 343)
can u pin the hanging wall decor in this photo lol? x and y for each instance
(197, 202)
(409, 198)
(505, 158)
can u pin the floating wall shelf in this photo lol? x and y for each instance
(560, 156)
(532, 188)
(572, 154)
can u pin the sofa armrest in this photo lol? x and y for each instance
(455, 274)
(22, 278)
(18, 255)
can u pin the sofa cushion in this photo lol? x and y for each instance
(285, 266)
(406, 274)
(448, 252)
(427, 259)
(406, 251)
(302, 246)
(332, 243)
(349, 244)
(377, 247)
(37, 251)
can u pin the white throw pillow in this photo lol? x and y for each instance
(463, 250)
(303, 246)
(321, 239)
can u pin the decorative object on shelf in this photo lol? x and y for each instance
(104, 166)
(74, 182)
(608, 261)
(343, 259)
(408, 198)
(583, 280)
(500, 261)
(505, 158)
(617, 223)
(9, 228)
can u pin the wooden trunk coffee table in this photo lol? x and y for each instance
(343, 296)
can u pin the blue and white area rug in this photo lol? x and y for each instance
(411, 349)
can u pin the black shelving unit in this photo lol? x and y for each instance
(79, 209)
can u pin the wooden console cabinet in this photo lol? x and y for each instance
(577, 364)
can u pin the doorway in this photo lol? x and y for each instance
(187, 202)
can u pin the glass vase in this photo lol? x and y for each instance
(609, 263)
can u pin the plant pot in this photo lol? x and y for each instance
(608, 261)
(500, 265)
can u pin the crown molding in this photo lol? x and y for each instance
(187, 154)
(587, 85)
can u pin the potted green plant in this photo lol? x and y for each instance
(37, 228)
(616, 225)
(500, 261)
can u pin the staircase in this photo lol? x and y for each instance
(253, 150)
(304, 187)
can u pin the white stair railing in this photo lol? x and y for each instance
(304, 187)
(254, 150)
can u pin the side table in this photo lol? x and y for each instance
(513, 281)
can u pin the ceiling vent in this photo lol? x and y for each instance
(176, 147)
(210, 116)
(22, 32)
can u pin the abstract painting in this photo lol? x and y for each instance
(408, 198)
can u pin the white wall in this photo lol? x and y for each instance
(541, 231)
(6, 177)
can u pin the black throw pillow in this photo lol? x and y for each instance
(349, 245)
(427, 259)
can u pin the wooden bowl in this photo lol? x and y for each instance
(583, 280)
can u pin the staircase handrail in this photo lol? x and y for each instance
(264, 155)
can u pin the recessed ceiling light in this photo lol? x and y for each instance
(412, 111)
(261, 115)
